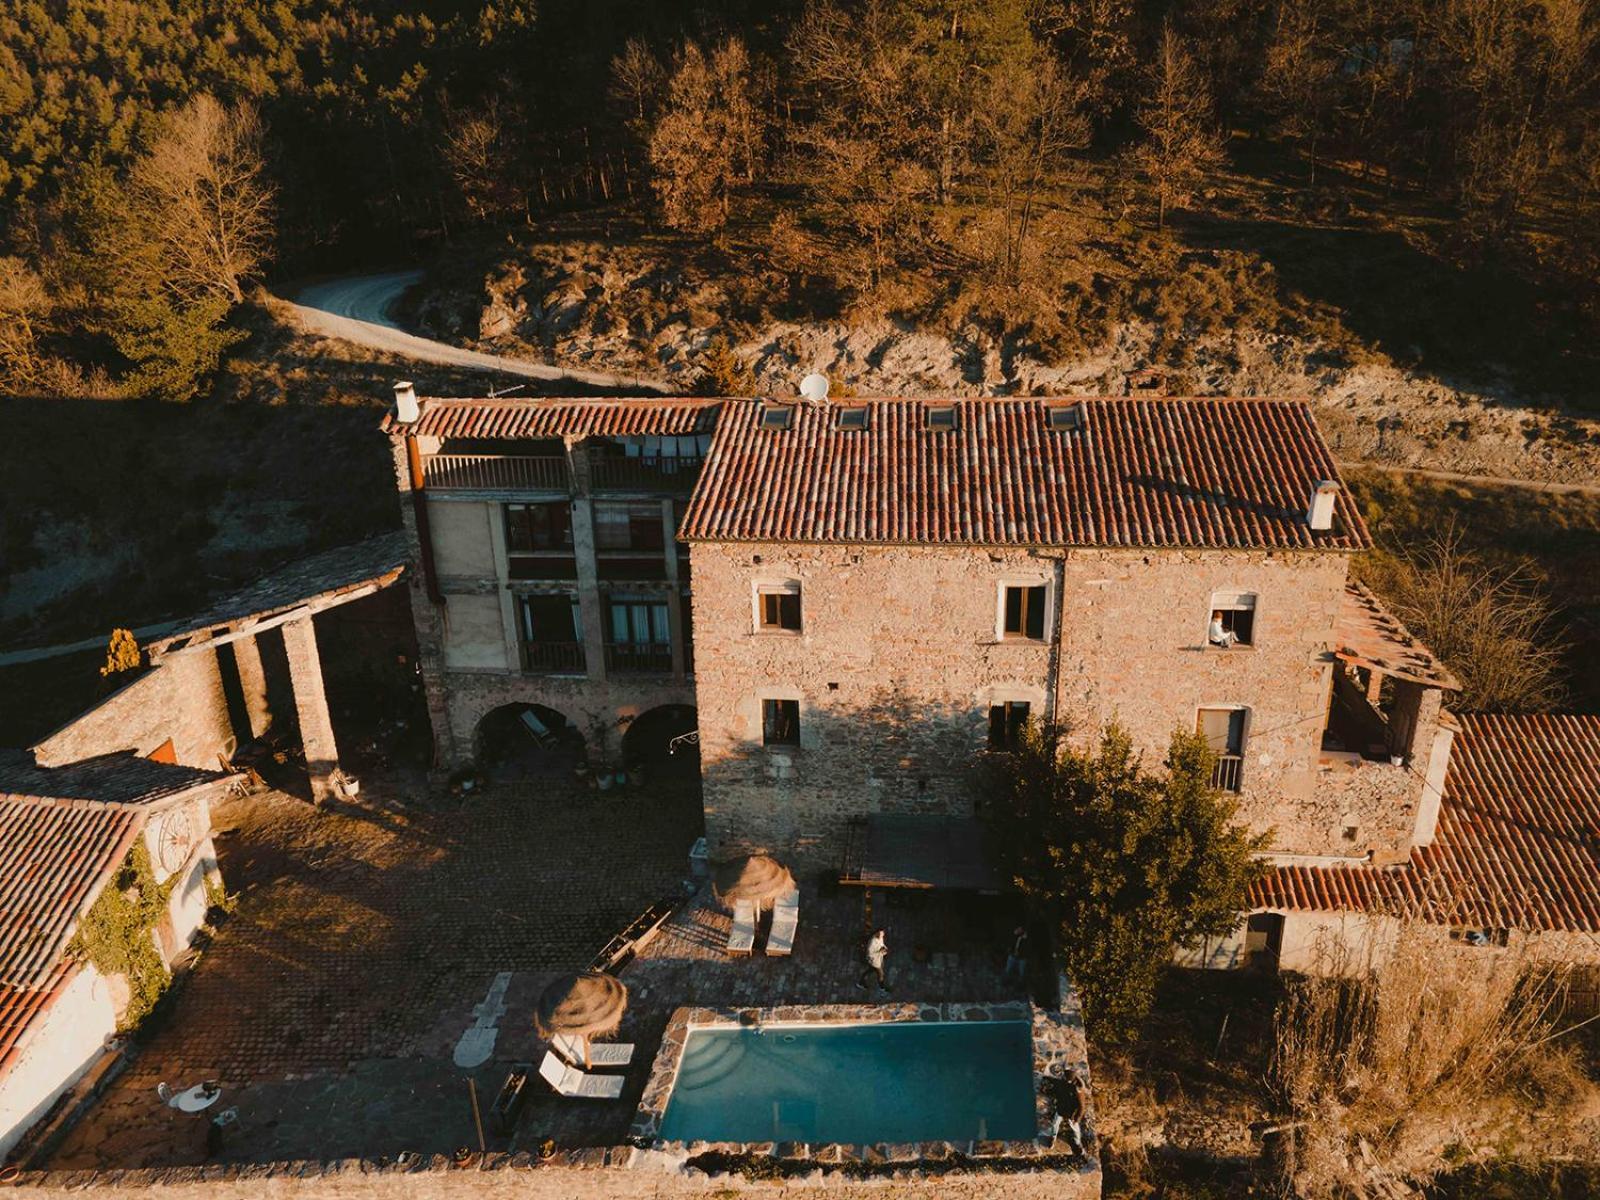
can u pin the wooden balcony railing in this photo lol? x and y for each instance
(1225, 775)
(662, 474)
(542, 473)
(639, 658)
(554, 658)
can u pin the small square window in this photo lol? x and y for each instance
(777, 416)
(1064, 418)
(1233, 619)
(1006, 723)
(1023, 615)
(779, 609)
(780, 722)
(942, 418)
(854, 417)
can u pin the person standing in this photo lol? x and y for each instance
(877, 956)
(1017, 956)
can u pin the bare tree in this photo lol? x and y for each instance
(201, 199)
(478, 152)
(24, 304)
(1029, 115)
(1181, 142)
(1298, 75)
(706, 137)
(638, 82)
(1492, 626)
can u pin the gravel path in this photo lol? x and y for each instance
(357, 308)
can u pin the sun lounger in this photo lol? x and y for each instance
(742, 937)
(785, 920)
(569, 1081)
(601, 1054)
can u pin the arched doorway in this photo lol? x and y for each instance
(658, 741)
(527, 741)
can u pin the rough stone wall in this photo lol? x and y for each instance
(515, 1176)
(1370, 809)
(181, 698)
(899, 661)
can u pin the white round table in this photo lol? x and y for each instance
(196, 1099)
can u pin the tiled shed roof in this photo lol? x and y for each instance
(511, 417)
(318, 580)
(1135, 472)
(121, 778)
(58, 849)
(1518, 842)
(1369, 635)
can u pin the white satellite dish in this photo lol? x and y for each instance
(814, 387)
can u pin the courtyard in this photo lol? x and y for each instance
(367, 937)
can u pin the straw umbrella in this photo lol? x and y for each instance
(756, 878)
(585, 1005)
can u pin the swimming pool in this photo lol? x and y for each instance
(906, 1081)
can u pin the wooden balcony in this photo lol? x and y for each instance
(1226, 774)
(554, 658)
(613, 473)
(639, 658)
(494, 472)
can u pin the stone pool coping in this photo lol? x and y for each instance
(1058, 1045)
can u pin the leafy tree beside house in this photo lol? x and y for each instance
(1130, 863)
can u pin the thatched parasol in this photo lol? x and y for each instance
(756, 878)
(584, 1006)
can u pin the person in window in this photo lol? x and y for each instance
(1217, 635)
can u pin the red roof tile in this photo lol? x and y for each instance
(1518, 843)
(61, 841)
(513, 417)
(1137, 472)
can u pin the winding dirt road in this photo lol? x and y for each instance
(357, 308)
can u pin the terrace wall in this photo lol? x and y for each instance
(515, 1176)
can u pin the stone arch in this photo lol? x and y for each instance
(508, 746)
(648, 741)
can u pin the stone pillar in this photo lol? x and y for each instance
(311, 702)
(252, 685)
(675, 614)
(591, 606)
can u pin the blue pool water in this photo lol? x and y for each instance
(911, 1081)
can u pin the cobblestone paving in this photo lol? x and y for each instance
(331, 1000)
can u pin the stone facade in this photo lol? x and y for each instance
(469, 643)
(900, 658)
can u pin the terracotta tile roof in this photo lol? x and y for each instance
(54, 858)
(1369, 635)
(318, 579)
(1136, 472)
(63, 833)
(511, 417)
(1518, 843)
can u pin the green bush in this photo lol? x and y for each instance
(117, 934)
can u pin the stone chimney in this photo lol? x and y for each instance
(405, 403)
(1319, 513)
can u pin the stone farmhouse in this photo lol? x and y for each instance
(850, 605)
